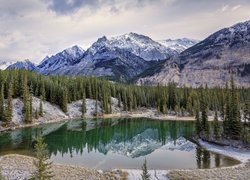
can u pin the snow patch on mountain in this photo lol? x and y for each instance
(5, 64)
(26, 65)
(179, 45)
(61, 60)
(142, 46)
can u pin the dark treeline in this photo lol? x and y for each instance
(61, 90)
(232, 109)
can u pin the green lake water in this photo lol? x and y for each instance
(116, 143)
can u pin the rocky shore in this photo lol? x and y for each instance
(21, 167)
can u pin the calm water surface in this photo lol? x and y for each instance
(117, 143)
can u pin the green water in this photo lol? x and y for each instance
(117, 143)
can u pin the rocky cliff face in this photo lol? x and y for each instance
(211, 61)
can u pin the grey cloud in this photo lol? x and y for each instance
(65, 7)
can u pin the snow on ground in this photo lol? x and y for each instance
(50, 111)
(75, 111)
(134, 174)
(241, 155)
(17, 111)
(74, 108)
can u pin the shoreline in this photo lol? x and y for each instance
(134, 174)
(136, 114)
(12, 167)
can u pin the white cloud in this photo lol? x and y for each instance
(234, 8)
(224, 8)
(29, 29)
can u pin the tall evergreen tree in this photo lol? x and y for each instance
(41, 106)
(8, 114)
(2, 102)
(65, 100)
(198, 121)
(145, 175)
(204, 118)
(216, 126)
(42, 164)
(83, 104)
(235, 119)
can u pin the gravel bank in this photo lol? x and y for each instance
(238, 172)
(20, 167)
(235, 173)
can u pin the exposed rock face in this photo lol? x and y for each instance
(211, 61)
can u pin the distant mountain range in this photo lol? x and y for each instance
(5, 64)
(26, 65)
(139, 59)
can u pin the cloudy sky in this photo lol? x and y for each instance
(32, 29)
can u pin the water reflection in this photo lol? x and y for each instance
(117, 143)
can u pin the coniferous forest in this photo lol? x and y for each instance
(229, 103)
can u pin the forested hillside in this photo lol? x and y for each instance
(61, 90)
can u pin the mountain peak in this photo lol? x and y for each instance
(180, 44)
(142, 46)
(25, 64)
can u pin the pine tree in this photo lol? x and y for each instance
(36, 114)
(2, 102)
(41, 106)
(43, 92)
(42, 164)
(204, 118)
(65, 100)
(216, 126)
(83, 104)
(245, 135)
(8, 114)
(227, 117)
(31, 111)
(198, 121)
(145, 175)
(119, 100)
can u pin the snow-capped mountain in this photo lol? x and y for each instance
(101, 59)
(145, 143)
(118, 58)
(179, 45)
(211, 61)
(62, 59)
(5, 64)
(142, 46)
(26, 65)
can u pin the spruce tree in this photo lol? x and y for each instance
(145, 175)
(36, 114)
(83, 104)
(8, 114)
(119, 100)
(216, 126)
(198, 121)
(42, 164)
(235, 118)
(245, 135)
(43, 92)
(41, 106)
(227, 117)
(2, 102)
(204, 118)
(65, 100)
